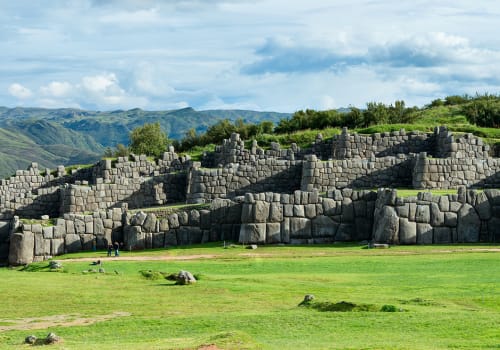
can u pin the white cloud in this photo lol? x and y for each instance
(57, 89)
(19, 91)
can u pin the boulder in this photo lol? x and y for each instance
(323, 226)
(252, 233)
(149, 224)
(407, 231)
(134, 237)
(184, 278)
(424, 233)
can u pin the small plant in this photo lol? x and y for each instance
(388, 308)
(153, 275)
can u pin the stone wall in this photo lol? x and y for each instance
(466, 217)
(454, 172)
(465, 146)
(357, 173)
(305, 217)
(269, 174)
(346, 145)
(74, 232)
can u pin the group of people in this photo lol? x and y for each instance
(116, 247)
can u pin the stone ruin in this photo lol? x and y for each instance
(254, 196)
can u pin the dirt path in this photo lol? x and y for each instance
(56, 320)
(148, 258)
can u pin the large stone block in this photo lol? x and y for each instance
(300, 228)
(79, 226)
(407, 231)
(276, 212)
(442, 235)
(21, 248)
(345, 232)
(57, 246)
(42, 245)
(323, 226)
(134, 237)
(173, 221)
(261, 211)
(483, 207)
(98, 227)
(386, 228)
(347, 210)
(273, 232)
(73, 243)
(285, 230)
(437, 216)
(450, 219)
(363, 229)
(149, 224)
(252, 233)
(170, 238)
(468, 225)
(422, 214)
(424, 233)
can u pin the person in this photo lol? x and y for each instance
(116, 247)
(110, 249)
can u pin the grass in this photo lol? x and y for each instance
(249, 299)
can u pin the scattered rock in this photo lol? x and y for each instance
(183, 278)
(44, 217)
(53, 265)
(30, 339)
(379, 245)
(307, 299)
(52, 338)
(251, 246)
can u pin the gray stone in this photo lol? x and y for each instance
(345, 232)
(247, 213)
(183, 218)
(57, 246)
(48, 232)
(276, 212)
(407, 231)
(424, 234)
(184, 278)
(164, 225)
(98, 227)
(134, 238)
(347, 210)
(387, 226)
(329, 206)
(21, 250)
(252, 233)
(483, 206)
(310, 211)
(422, 214)
(468, 224)
(273, 233)
(138, 218)
(170, 238)
(444, 203)
(149, 224)
(300, 228)
(450, 219)
(298, 211)
(261, 211)
(73, 243)
(194, 218)
(363, 228)
(403, 210)
(285, 230)
(79, 226)
(442, 235)
(437, 217)
(173, 221)
(323, 226)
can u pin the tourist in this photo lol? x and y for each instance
(110, 249)
(116, 247)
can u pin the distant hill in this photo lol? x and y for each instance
(70, 136)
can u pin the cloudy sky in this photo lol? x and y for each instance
(279, 55)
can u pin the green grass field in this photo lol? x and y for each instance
(445, 297)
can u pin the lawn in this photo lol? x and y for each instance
(444, 297)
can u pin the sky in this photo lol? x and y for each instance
(266, 55)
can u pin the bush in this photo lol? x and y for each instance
(148, 139)
(389, 308)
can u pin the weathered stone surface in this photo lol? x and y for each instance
(21, 250)
(273, 232)
(442, 235)
(482, 206)
(468, 224)
(424, 233)
(185, 277)
(276, 212)
(407, 231)
(170, 238)
(323, 226)
(387, 228)
(173, 221)
(261, 211)
(422, 214)
(437, 216)
(149, 224)
(300, 228)
(298, 211)
(345, 232)
(138, 218)
(347, 210)
(57, 246)
(363, 229)
(72, 243)
(79, 226)
(134, 238)
(183, 218)
(450, 219)
(252, 233)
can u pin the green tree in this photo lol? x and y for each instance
(121, 150)
(148, 139)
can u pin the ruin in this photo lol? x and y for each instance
(322, 194)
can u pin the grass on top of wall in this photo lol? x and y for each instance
(441, 297)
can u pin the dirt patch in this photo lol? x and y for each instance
(209, 347)
(56, 320)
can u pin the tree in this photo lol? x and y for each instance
(148, 139)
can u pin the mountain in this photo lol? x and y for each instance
(69, 136)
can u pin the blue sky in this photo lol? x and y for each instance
(264, 55)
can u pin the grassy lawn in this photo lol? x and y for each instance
(446, 297)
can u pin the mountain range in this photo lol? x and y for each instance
(68, 136)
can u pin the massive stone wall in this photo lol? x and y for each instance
(269, 174)
(466, 217)
(346, 145)
(357, 173)
(465, 146)
(454, 172)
